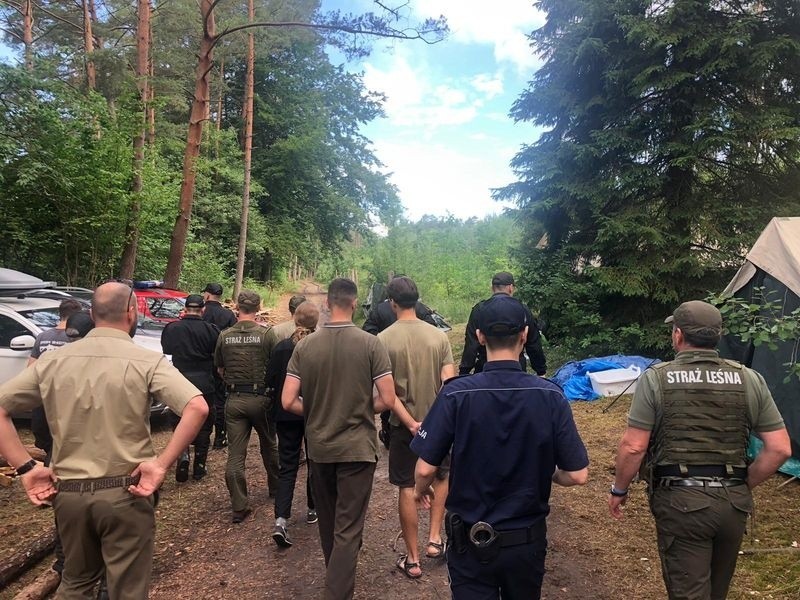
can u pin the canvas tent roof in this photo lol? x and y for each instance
(777, 252)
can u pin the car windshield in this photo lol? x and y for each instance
(165, 308)
(46, 318)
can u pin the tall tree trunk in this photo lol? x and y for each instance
(27, 33)
(151, 94)
(93, 14)
(128, 265)
(88, 43)
(248, 149)
(219, 107)
(195, 135)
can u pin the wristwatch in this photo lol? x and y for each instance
(618, 493)
(22, 469)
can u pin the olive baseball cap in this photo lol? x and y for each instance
(249, 299)
(214, 289)
(697, 318)
(502, 315)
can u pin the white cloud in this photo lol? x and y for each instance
(504, 24)
(412, 99)
(491, 85)
(436, 179)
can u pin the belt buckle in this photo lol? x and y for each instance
(481, 534)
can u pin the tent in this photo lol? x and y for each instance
(773, 264)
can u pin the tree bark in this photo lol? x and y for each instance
(40, 588)
(248, 150)
(193, 138)
(219, 107)
(22, 560)
(151, 96)
(27, 33)
(88, 44)
(128, 263)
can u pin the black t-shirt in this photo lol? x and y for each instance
(191, 342)
(217, 314)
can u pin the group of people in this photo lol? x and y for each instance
(480, 450)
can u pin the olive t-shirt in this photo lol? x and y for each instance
(762, 414)
(418, 351)
(337, 366)
(96, 394)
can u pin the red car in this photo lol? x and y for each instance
(161, 305)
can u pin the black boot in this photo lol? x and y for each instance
(182, 470)
(220, 440)
(199, 470)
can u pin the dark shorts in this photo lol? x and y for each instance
(402, 459)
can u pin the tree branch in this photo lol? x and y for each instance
(389, 33)
(59, 18)
(12, 34)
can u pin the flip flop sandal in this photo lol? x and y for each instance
(405, 566)
(439, 548)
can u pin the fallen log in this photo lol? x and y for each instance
(13, 566)
(36, 454)
(41, 587)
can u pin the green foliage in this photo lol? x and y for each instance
(672, 135)
(761, 320)
(451, 261)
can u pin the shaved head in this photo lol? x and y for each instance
(111, 303)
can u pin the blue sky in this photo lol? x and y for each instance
(447, 138)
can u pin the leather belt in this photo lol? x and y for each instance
(509, 537)
(91, 485)
(712, 483)
(247, 388)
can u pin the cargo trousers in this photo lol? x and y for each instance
(700, 530)
(107, 530)
(243, 413)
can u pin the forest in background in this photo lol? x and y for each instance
(671, 135)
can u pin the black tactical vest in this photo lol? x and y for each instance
(704, 414)
(245, 348)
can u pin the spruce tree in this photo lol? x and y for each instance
(671, 136)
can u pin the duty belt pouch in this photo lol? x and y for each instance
(485, 542)
(456, 535)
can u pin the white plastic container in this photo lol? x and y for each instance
(615, 381)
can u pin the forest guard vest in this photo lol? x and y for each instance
(244, 348)
(704, 414)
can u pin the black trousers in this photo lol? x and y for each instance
(291, 435)
(205, 383)
(219, 395)
(515, 574)
(41, 432)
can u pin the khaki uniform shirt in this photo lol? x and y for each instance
(418, 352)
(337, 366)
(96, 393)
(281, 331)
(762, 414)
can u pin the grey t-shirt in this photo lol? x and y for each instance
(49, 340)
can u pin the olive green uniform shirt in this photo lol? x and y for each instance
(337, 366)
(762, 414)
(281, 331)
(418, 352)
(96, 393)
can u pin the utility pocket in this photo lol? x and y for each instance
(688, 501)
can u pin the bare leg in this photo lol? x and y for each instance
(440, 489)
(409, 523)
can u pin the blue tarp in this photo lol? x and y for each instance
(573, 378)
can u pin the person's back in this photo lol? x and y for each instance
(522, 417)
(213, 311)
(337, 367)
(109, 400)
